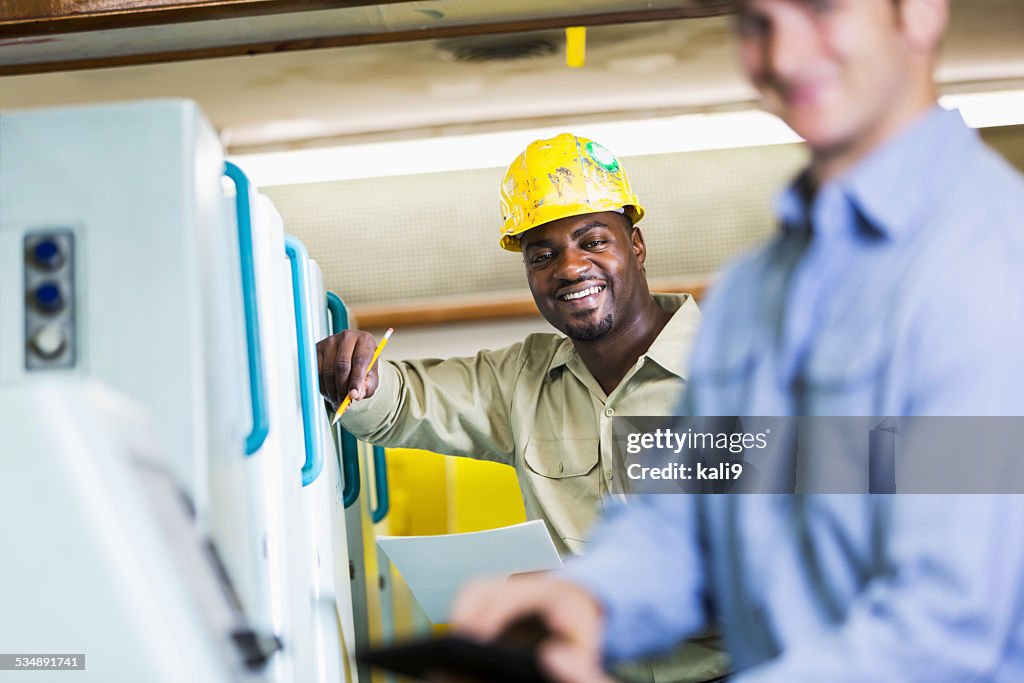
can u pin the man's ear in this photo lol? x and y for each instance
(924, 23)
(639, 247)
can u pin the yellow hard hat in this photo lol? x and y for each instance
(560, 177)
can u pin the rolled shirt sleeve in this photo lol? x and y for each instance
(458, 406)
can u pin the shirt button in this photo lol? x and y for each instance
(608, 412)
(608, 475)
(561, 467)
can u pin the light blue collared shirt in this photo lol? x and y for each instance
(898, 289)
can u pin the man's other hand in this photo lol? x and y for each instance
(570, 652)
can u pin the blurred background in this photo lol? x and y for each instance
(381, 130)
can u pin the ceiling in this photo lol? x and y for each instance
(323, 96)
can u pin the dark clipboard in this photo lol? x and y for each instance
(460, 658)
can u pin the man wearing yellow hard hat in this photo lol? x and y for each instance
(545, 405)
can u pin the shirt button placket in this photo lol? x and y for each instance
(605, 463)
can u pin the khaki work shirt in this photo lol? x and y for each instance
(533, 405)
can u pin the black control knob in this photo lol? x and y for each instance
(256, 648)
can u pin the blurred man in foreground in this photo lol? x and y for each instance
(847, 312)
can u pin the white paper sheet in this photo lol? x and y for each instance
(435, 567)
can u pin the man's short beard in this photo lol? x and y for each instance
(588, 331)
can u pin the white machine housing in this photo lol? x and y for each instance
(132, 193)
(102, 557)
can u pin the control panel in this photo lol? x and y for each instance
(49, 300)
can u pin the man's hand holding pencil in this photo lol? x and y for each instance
(347, 364)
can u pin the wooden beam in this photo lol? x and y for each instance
(479, 309)
(31, 18)
(709, 9)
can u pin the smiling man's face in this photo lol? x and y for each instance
(586, 272)
(837, 71)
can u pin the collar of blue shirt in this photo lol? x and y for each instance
(891, 188)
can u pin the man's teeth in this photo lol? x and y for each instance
(579, 295)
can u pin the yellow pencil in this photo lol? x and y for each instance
(376, 354)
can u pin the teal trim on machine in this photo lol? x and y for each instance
(257, 386)
(380, 485)
(298, 258)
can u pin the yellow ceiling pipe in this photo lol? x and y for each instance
(575, 46)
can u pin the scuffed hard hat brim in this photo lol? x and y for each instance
(510, 242)
(559, 177)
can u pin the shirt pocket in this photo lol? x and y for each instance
(843, 372)
(564, 479)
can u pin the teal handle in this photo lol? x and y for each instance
(349, 445)
(298, 257)
(257, 386)
(380, 485)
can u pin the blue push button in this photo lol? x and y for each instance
(47, 254)
(48, 297)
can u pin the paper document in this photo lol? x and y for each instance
(435, 567)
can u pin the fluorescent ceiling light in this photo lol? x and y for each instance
(686, 133)
(988, 109)
(496, 150)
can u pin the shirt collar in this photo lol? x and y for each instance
(670, 349)
(893, 185)
(563, 354)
